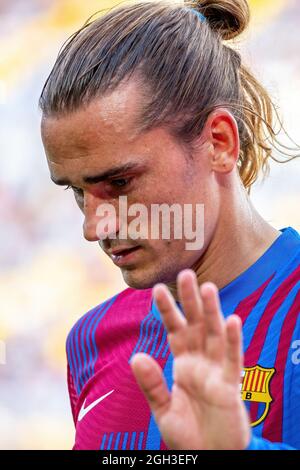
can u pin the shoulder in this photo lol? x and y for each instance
(129, 300)
(287, 256)
(286, 278)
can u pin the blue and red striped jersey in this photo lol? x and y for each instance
(109, 410)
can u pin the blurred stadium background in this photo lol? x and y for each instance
(49, 276)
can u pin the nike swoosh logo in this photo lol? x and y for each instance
(83, 411)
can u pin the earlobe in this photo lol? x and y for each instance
(223, 162)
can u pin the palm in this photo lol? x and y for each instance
(204, 409)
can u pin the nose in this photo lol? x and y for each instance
(100, 219)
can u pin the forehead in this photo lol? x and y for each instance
(104, 136)
(109, 122)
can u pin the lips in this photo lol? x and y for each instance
(123, 251)
(121, 256)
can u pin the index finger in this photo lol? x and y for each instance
(171, 315)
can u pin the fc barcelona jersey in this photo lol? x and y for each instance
(109, 410)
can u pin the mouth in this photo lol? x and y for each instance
(120, 257)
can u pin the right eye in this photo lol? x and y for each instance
(77, 191)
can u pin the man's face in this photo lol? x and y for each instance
(98, 151)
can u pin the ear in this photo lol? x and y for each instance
(223, 136)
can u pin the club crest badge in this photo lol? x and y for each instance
(255, 387)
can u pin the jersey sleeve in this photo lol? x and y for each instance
(258, 443)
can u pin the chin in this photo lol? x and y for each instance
(142, 279)
(137, 280)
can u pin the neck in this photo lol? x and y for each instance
(240, 238)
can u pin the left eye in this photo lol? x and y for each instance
(119, 183)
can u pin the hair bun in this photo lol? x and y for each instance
(228, 17)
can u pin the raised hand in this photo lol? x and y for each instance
(204, 409)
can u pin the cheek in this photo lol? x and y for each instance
(172, 256)
(174, 250)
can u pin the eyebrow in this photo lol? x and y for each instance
(100, 177)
